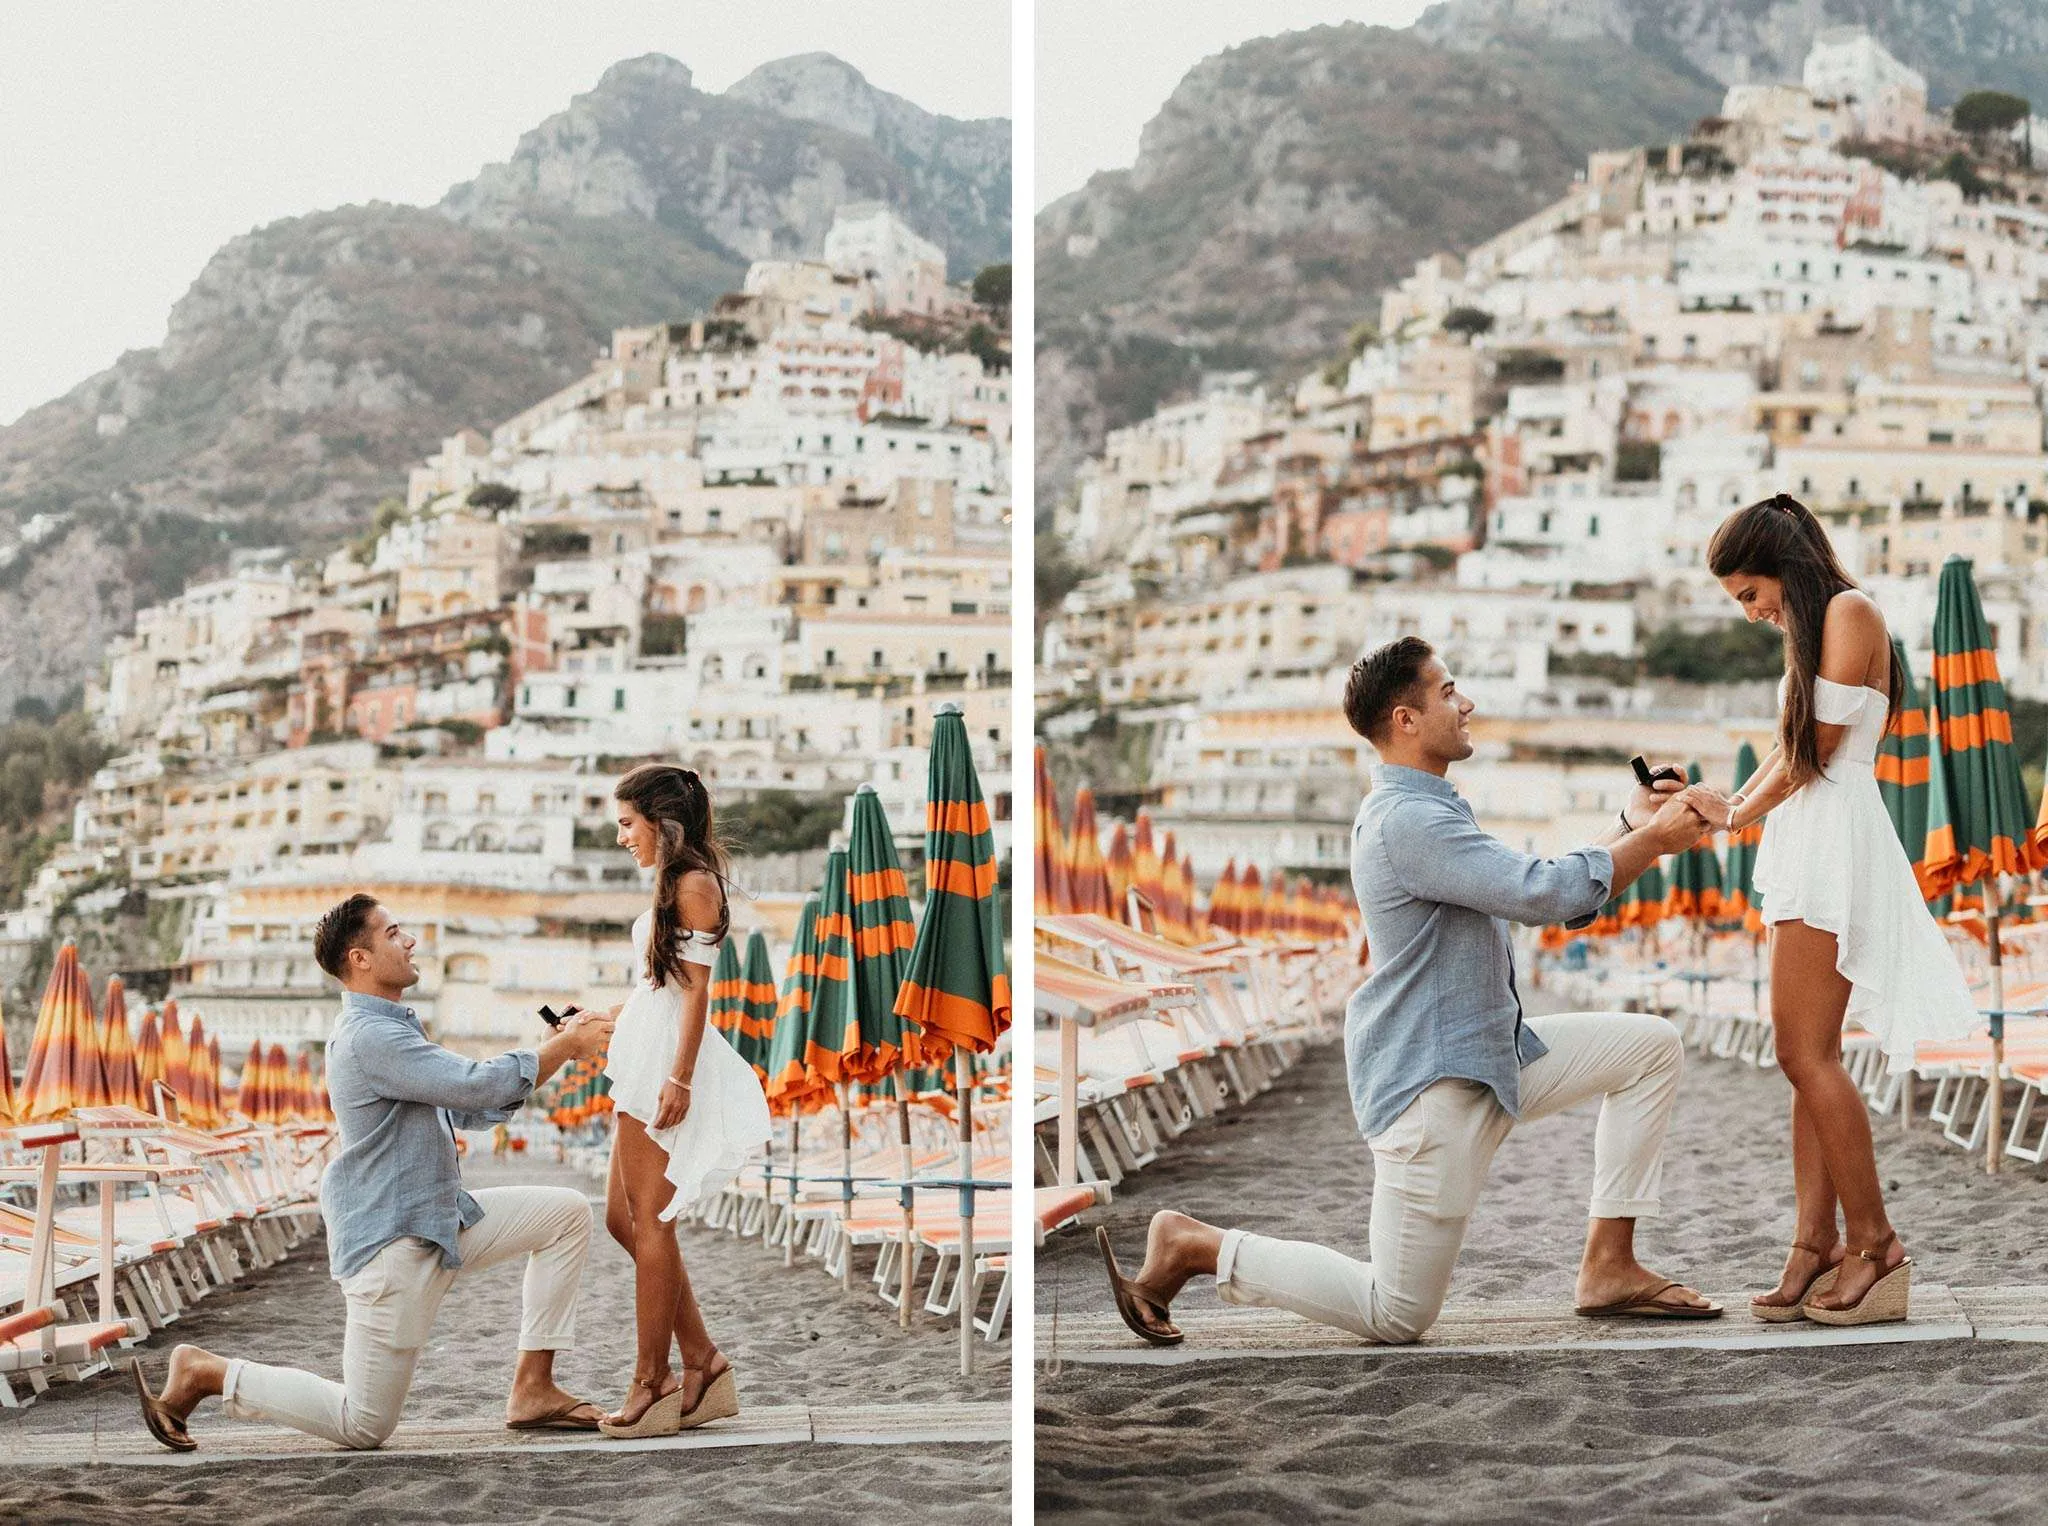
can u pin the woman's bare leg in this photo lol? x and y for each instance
(1808, 999)
(665, 1309)
(1814, 1222)
(618, 1207)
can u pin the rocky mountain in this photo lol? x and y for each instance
(315, 359)
(1288, 181)
(1988, 44)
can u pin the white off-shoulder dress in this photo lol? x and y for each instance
(728, 1116)
(1830, 858)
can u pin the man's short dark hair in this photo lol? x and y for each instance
(1382, 679)
(340, 930)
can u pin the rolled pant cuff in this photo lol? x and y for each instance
(230, 1384)
(1625, 1208)
(547, 1342)
(1226, 1263)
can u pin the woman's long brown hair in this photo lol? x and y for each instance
(677, 805)
(1779, 538)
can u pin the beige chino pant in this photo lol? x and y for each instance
(391, 1307)
(1429, 1166)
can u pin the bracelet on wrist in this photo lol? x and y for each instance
(1624, 822)
(679, 1085)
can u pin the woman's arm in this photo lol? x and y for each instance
(698, 904)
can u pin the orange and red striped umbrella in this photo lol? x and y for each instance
(1088, 872)
(1252, 901)
(1119, 867)
(149, 1059)
(1052, 894)
(62, 1049)
(8, 1112)
(117, 1050)
(1145, 866)
(1224, 914)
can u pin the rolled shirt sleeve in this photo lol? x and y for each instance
(484, 1118)
(1439, 853)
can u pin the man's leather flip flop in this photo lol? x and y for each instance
(168, 1431)
(1643, 1304)
(1129, 1295)
(563, 1419)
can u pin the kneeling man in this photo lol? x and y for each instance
(1441, 1060)
(401, 1231)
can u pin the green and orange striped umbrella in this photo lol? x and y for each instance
(1903, 767)
(789, 1079)
(1694, 894)
(117, 1050)
(1119, 866)
(957, 987)
(757, 1002)
(1052, 893)
(834, 1038)
(1643, 904)
(1738, 885)
(883, 933)
(1977, 822)
(62, 1046)
(726, 1010)
(1087, 870)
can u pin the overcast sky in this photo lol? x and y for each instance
(138, 136)
(1105, 67)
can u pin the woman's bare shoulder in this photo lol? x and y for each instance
(1854, 614)
(699, 898)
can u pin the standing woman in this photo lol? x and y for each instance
(689, 1111)
(1851, 936)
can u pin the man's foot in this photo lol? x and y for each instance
(643, 1396)
(548, 1408)
(1630, 1286)
(1805, 1264)
(190, 1375)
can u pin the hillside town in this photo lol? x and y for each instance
(1825, 289)
(766, 542)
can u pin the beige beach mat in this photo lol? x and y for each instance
(1488, 1328)
(221, 1440)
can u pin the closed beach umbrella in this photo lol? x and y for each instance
(1738, 883)
(149, 1059)
(1903, 765)
(727, 1008)
(1223, 901)
(177, 1056)
(117, 1050)
(1643, 905)
(1977, 824)
(1145, 864)
(1694, 894)
(1119, 866)
(1052, 895)
(835, 1028)
(62, 1045)
(249, 1091)
(789, 1075)
(8, 1111)
(1088, 871)
(757, 1002)
(1977, 821)
(957, 986)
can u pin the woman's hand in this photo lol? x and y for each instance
(673, 1105)
(1712, 805)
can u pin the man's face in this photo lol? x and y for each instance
(1434, 725)
(385, 954)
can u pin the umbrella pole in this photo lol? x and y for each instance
(845, 1189)
(1070, 1102)
(1994, 1140)
(796, 1125)
(964, 1081)
(909, 1215)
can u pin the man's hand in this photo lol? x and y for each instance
(589, 1032)
(1647, 799)
(1677, 826)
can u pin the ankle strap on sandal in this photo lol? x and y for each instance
(1876, 1252)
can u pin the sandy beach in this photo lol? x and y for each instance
(1881, 1432)
(793, 1337)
